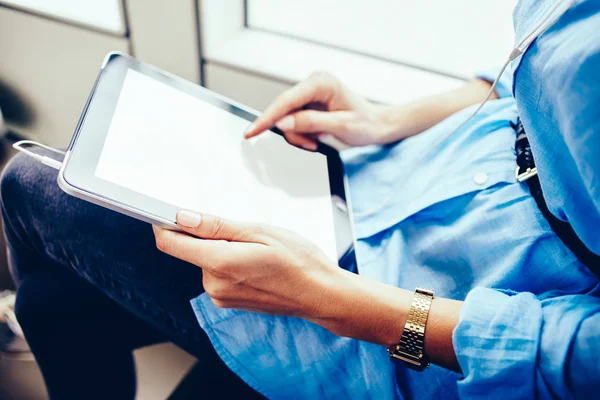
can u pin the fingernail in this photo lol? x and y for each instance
(249, 128)
(188, 219)
(310, 146)
(286, 123)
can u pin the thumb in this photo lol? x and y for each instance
(312, 121)
(211, 227)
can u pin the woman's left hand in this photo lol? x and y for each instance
(255, 267)
(270, 270)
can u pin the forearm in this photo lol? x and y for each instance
(375, 312)
(424, 113)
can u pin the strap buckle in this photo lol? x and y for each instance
(529, 173)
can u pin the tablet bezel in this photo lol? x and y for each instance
(77, 175)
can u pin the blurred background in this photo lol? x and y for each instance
(391, 51)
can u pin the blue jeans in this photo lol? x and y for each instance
(92, 287)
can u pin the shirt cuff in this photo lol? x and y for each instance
(496, 343)
(504, 86)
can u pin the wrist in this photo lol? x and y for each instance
(395, 122)
(364, 309)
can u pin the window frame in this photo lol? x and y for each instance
(120, 30)
(227, 40)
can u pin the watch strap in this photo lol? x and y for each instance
(410, 350)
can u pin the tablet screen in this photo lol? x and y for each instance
(174, 147)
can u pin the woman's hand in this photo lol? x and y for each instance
(319, 105)
(270, 270)
(253, 267)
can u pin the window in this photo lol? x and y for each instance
(454, 37)
(389, 50)
(103, 14)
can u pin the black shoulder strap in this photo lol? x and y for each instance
(563, 229)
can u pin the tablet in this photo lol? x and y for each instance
(149, 144)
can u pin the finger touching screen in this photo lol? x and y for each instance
(174, 147)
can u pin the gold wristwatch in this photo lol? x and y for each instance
(410, 351)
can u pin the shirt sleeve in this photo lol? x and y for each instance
(524, 347)
(504, 86)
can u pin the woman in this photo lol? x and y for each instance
(290, 323)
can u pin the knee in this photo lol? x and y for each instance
(15, 177)
(23, 178)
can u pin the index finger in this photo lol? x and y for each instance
(291, 100)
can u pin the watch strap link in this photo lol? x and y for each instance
(410, 351)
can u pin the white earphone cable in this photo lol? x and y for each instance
(516, 52)
(544, 24)
(435, 145)
(49, 161)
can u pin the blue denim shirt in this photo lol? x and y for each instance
(536, 334)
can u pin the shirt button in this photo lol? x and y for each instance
(480, 178)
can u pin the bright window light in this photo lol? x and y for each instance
(454, 37)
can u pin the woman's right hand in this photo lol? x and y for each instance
(320, 105)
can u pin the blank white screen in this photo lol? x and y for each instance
(171, 146)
